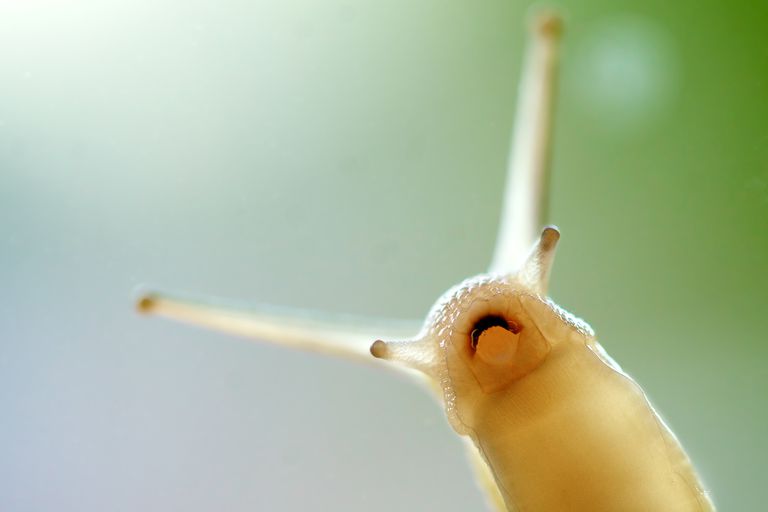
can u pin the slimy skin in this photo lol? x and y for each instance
(576, 434)
(559, 424)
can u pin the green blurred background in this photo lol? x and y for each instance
(350, 157)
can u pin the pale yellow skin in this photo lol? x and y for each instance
(560, 426)
(555, 424)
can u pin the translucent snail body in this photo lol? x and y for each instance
(560, 426)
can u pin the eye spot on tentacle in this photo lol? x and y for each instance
(486, 323)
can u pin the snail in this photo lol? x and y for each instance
(552, 422)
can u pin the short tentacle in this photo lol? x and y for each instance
(535, 271)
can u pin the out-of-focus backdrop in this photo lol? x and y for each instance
(349, 157)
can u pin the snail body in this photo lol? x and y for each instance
(559, 424)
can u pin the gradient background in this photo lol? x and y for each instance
(349, 157)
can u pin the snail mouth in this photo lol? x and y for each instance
(488, 322)
(497, 346)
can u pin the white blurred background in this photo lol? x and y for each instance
(349, 157)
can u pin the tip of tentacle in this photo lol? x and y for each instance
(416, 354)
(379, 349)
(146, 303)
(550, 235)
(547, 23)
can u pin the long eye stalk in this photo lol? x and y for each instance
(524, 209)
